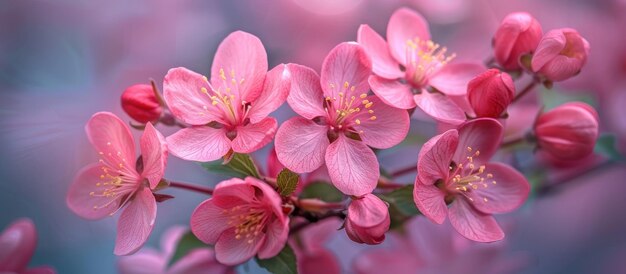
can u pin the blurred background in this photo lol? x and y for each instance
(61, 61)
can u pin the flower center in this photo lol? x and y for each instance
(347, 111)
(248, 223)
(467, 178)
(424, 58)
(115, 181)
(227, 99)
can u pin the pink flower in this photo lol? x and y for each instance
(561, 54)
(141, 104)
(339, 121)
(311, 254)
(17, 245)
(409, 62)
(453, 169)
(490, 93)
(150, 261)
(243, 218)
(229, 112)
(518, 34)
(568, 132)
(367, 220)
(103, 188)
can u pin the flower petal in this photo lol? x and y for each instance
(198, 261)
(199, 143)
(484, 135)
(301, 144)
(433, 161)
(405, 24)
(274, 94)
(389, 128)
(345, 70)
(376, 47)
(169, 239)
(312, 262)
(112, 140)
(208, 221)
(305, 96)
(135, 223)
(233, 192)
(473, 224)
(17, 245)
(39, 270)
(275, 239)
(252, 137)
(316, 235)
(146, 261)
(182, 90)
(367, 211)
(440, 107)
(392, 92)
(352, 166)
(232, 251)
(81, 202)
(242, 57)
(430, 201)
(154, 155)
(452, 79)
(551, 44)
(506, 191)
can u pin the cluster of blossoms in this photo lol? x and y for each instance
(360, 102)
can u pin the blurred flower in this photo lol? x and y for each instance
(17, 245)
(229, 112)
(453, 169)
(518, 34)
(141, 104)
(244, 218)
(311, 254)
(561, 54)
(338, 122)
(367, 220)
(101, 189)
(490, 93)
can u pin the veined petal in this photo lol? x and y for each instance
(430, 201)
(232, 251)
(452, 79)
(275, 91)
(440, 107)
(433, 161)
(405, 24)
(345, 70)
(352, 166)
(17, 245)
(233, 192)
(80, 200)
(551, 44)
(473, 224)
(506, 191)
(252, 137)
(112, 140)
(392, 92)
(275, 239)
(484, 135)
(154, 155)
(208, 221)
(301, 144)
(376, 47)
(389, 127)
(305, 97)
(135, 223)
(183, 92)
(199, 143)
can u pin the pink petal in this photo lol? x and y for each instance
(430, 201)
(275, 91)
(433, 161)
(388, 129)
(144, 262)
(17, 245)
(112, 140)
(233, 192)
(199, 143)
(268, 196)
(367, 211)
(376, 47)
(473, 224)
(440, 107)
(405, 24)
(347, 63)
(273, 165)
(392, 92)
(508, 193)
(311, 263)
(484, 135)
(208, 221)
(301, 144)
(232, 251)
(551, 44)
(154, 155)
(316, 235)
(39, 270)
(252, 137)
(169, 239)
(452, 79)
(305, 96)
(82, 203)
(198, 261)
(561, 68)
(275, 238)
(182, 90)
(135, 223)
(352, 166)
(240, 54)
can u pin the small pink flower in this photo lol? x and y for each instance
(150, 261)
(103, 188)
(453, 169)
(518, 34)
(490, 93)
(568, 132)
(141, 104)
(561, 54)
(339, 121)
(310, 251)
(409, 62)
(17, 245)
(243, 218)
(367, 220)
(229, 112)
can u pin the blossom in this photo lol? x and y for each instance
(141, 104)
(150, 261)
(518, 34)
(367, 220)
(409, 62)
(243, 218)
(568, 132)
(17, 245)
(103, 188)
(561, 54)
(229, 112)
(453, 169)
(338, 121)
(490, 93)
(308, 245)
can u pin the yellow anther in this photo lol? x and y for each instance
(357, 121)
(222, 74)
(346, 84)
(363, 95)
(369, 105)
(373, 118)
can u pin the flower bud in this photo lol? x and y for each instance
(518, 34)
(490, 93)
(141, 104)
(568, 132)
(367, 220)
(561, 54)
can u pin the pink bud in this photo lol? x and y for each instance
(141, 104)
(490, 93)
(518, 34)
(367, 220)
(561, 54)
(568, 132)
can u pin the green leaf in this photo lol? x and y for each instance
(606, 145)
(402, 198)
(287, 182)
(240, 166)
(187, 243)
(323, 191)
(284, 262)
